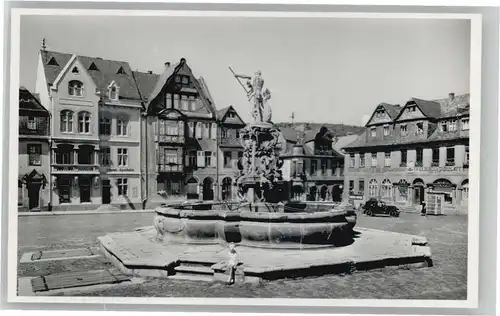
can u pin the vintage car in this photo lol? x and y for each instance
(373, 207)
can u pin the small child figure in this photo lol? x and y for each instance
(232, 263)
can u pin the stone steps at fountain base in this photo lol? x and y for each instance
(194, 272)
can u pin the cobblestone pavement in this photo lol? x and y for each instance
(447, 236)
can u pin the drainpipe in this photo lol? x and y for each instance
(50, 130)
(144, 141)
(217, 159)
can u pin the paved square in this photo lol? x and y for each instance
(446, 235)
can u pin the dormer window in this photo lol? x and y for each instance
(387, 130)
(113, 91)
(53, 62)
(412, 108)
(443, 127)
(75, 70)
(373, 131)
(121, 71)
(75, 88)
(453, 125)
(465, 124)
(93, 67)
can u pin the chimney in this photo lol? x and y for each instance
(451, 96)
(150, 72)
(167, 64)
(183, 60)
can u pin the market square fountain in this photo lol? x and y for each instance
(274, 238)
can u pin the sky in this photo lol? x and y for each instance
(324, 70)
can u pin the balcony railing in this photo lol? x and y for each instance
(170, 168)
(170, 139)
(230, 141)
(71, 168)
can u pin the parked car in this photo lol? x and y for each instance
(373, 207)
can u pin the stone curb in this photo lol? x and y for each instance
(82, 212)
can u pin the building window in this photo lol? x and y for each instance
(227, 159)
(105, 156)
(208, 158)
(362, 160)
(172, 128)
(466, 159)
(113, 93)
(324, 165)
(64, 188)
(465, 192)
(465, 124)
(192, 103)
(171, 156)
(176, 101)
(122, 184)
(66, 121)
(374, 131)
(373, 187)
(314, 167)
(191, 129)
(351, 186)
(404, 157)
(386, 188)
(207, 131)
(34, 154)
(84, 122)
(121, 126)
(387, 159)
(361, 186)
(420, 157)
(122, 157)
(352, 160)
(192, 158)
(374, 159)
(402, 191)
(75, 88)
(404, 129)
(185, 80)
(435, 157)
(453, 125)
(105, 126)
(443, 126)
(450, 156)
(387, 130)
(420, 128)
(168, 100)
(185, 103)
(32, 123)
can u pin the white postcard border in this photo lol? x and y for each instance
(474, 170)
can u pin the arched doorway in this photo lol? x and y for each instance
(227, 184)
(323, 193)
(85, 189)
(208, 189)
(313, 191)
(418, 191)
(337, 193)
(192, 189)
(465, 191)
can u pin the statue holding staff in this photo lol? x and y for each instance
(256, 92)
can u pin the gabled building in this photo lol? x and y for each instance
(181, 137)
(313, 169)
(95, 131)
(421, 150)
(229, 151)
(34, 158)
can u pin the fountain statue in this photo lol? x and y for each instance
(260, 165)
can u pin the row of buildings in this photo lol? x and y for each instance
(95, 134)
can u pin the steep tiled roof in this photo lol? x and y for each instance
(108, 72)
(458, 105)
(160, 83)
(222, 112)
(430, 109)
(145, 83)
(344, 141)
(391, 109)
(51, 71)
(27, 101)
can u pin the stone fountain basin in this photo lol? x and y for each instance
(256, 229)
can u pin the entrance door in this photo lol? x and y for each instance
(208, 189)
(85, 190)
(419, 194)
(34, 195)
(106, 191)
